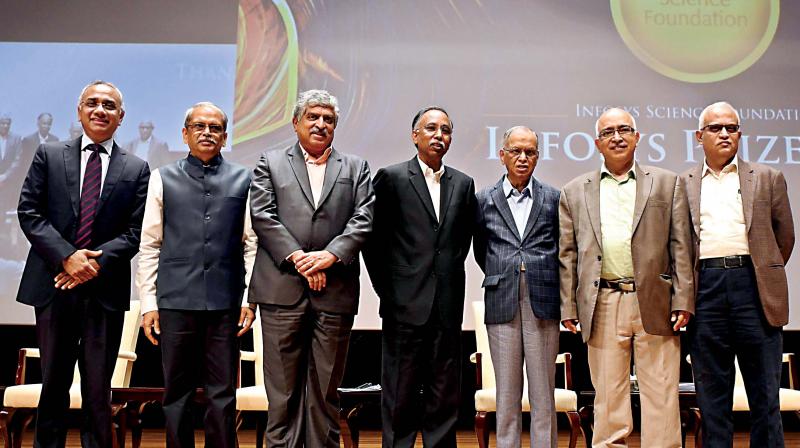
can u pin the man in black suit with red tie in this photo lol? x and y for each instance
(81, 208)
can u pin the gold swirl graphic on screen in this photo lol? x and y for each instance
(266, 68)
(698, 41)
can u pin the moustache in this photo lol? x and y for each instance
(318, 131)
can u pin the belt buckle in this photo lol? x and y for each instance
(736, 261)
(626, 286)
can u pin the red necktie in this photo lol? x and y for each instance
(90, 194)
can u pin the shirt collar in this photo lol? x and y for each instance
(509, 190)
(428, 171)
(321, 160)
(605, 172)
(215, 161)
(732, 167)
(108, 144)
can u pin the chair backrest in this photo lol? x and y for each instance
(482, 345)
(130, 334)
(258, 350)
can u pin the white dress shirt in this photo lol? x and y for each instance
(722, 228)
(104, 159)
(153, 235)
(434, 181)
(3, 146)
(142, 147)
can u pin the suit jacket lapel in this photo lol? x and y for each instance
(446, 192)
(298, 164)
(116, 164)
(536, 207)
(72, 169)
(332, 170)
(693, 185)
(417, 180)
(591, 194)
(502, 207)
(747, 186)
(644, 184)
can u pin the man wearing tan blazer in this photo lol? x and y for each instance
(626, 276)
(743, 235)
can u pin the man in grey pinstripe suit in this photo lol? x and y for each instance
(516, 246)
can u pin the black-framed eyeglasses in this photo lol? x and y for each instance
(716, 128)
(518, 152)
(200, 127)
(623, 131)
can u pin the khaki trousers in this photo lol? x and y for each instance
(616, 328)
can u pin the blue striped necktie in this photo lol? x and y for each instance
(90, 194)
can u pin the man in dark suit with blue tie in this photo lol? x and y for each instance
(81, 208)
(424, 213)
(516, 246)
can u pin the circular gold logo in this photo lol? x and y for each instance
(697, 40)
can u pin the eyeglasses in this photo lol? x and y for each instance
(108, 105)
(623, 131)
(717, 128)
(200, 127)
(432, 128)
(518, 152)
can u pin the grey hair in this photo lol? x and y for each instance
(701, 121)
(44, 114)
(103, 83)
(312, 98)
(208, 104)
(597, 123)
(515, 128)
(5, 116)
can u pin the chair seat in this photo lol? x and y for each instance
(27, 396)
(251, 398)
(566, 400)
(790, 399)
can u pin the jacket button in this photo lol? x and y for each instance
(599, 258)
(435, 228)
(596, 283)
(208, 217)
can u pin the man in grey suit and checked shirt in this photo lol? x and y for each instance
(516, 246)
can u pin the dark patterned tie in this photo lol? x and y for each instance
(90, 193)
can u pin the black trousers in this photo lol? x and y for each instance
(427, 358)
(200, 349)
(71, 329)
(729, 322)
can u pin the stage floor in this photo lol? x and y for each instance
(153, 438)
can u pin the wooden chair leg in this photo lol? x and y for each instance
(587, 423)
(481, 432)
(119, 423)
(18, 426)
(574, 428)
(5, 420)
(698, 428)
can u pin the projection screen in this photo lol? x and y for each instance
(552, 65)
